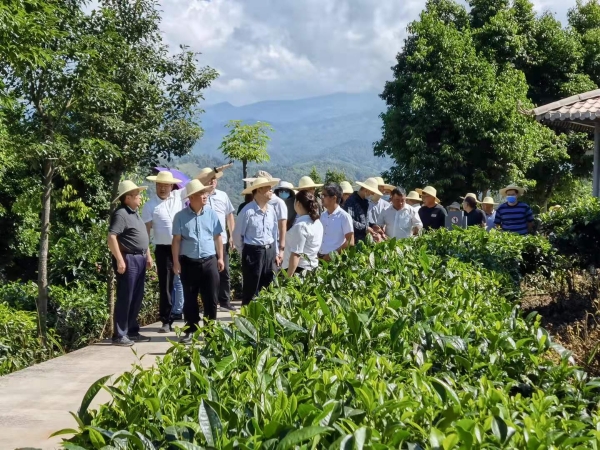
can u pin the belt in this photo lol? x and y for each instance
(198, 260)
(127, 252)
(267, 246)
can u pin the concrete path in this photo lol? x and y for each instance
(35, 402)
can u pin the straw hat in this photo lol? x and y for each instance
(207, 173)
(284, 185)
(383, 184)
(370, 184)
(470, 194)
(258, 183)
(488, 201)
(346, 187)
(414, 195)
(306, 182)
(260, 174)
(164, 177)
(429, 190)
(126, 186)
(512, 187)
(194, 187)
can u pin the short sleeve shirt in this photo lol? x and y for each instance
(130, 230)
(433, 218)
(514, 218)
(399, 223)
(219, 202)
(475, 218)
(161, 213)
(304, 239)
(255, 226)
(280, 207)
(335, 228)
(197, 232)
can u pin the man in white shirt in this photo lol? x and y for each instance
(219, 202)
(158, 214)
(400, 220)
(338, 228)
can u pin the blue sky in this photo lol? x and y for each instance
(288, 49)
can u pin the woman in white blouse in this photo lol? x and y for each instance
(303, 240)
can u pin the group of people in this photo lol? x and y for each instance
(279, 227)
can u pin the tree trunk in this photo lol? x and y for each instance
(110, 288)
(42, 300)
(245, 171)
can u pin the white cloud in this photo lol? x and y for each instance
(278, 49)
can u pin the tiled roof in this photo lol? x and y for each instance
(579, 111)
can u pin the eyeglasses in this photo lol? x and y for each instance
(322, 196)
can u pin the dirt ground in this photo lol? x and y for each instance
(570, 309)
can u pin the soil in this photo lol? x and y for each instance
(570, 311)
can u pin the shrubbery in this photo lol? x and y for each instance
(385, 347)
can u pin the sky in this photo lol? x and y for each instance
(290, 49)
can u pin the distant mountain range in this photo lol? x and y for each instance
(333, 129)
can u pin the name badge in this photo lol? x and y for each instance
(434, 215)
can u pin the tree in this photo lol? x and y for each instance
(315, 175)
(335, 176)
(452, 119)
(50, 84)
(246, 143)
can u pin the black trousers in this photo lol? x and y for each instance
(199, 276)
(164, 267)
(257, 270)
(130, 293)
(225, 279)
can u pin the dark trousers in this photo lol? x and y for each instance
(225, 279)
(257, 270)
(199, 276)
(164, 267)
(130, 292)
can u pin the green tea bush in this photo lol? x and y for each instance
(19, 295)
(385, 347)
(574, 231)
(507, 253)
(19, 344)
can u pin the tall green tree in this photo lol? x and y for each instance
(335, 176)
(246, 143)
(452, 119)
(50, 85)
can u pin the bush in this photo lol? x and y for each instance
(19, 344)
(385, 347)
(20, 296)
(575, 232)
(507, 253)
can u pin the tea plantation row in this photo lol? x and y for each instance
(399, 345)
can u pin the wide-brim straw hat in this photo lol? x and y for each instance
(429, 190)
(370, 184)
(512, 187)
(470, 194)
(346, 187)
(127, 186)
(207, 173)
(307, 182)
(261, 174)
(284, 185)
(259, 183)
(164, 177)
(488, 201)
(194, 187)
(414, 195)
(384, 185)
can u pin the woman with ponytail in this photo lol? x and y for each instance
(303, 240)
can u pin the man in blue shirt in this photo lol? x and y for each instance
(256, 235)
(198, 255)
(514, 216)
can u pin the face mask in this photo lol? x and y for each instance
(284, 195)
(370, 198)
(386, 197)
(511, 199)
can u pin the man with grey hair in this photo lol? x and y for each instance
(400, 220)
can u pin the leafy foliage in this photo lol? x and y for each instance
(246, 143)
(575, 232)
(387, 346)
